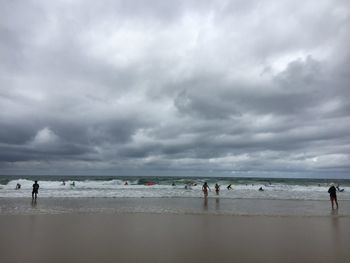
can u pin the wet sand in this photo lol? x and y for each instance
(146, 237)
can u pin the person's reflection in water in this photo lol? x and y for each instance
(336, 235)
(334, 212)
(205, 204)
(34, 203)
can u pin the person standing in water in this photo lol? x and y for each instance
(333, 195)
(217, 188)
(205, 188)
(35, 190)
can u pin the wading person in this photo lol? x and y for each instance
(35, 190)
(217, 189)
(205, 188)
(333, 195)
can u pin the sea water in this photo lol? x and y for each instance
(170, 187)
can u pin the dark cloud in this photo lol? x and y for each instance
(175, 87)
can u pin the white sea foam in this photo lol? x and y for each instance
(116, 188)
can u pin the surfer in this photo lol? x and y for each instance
(35, 190)
(217, 188)
(229, 187)
(205, 188)
(18, 186)
(261, 189)
(333, 195)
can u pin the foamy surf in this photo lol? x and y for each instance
(171, 188)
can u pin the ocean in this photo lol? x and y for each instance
(170, 187)
(175, 195)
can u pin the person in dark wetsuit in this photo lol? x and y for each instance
(205, 188)
(333, 195)
(217, 189)
(35, 190)
(229, 187)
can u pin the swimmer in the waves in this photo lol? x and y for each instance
(205, 189)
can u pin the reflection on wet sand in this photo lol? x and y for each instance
(217, 204)
(33, 203)
(205, 204)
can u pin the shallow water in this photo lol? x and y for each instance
(211, 205)
(112, 187)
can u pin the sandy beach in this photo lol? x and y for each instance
(147, 237)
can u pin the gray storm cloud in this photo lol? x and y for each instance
(175, 87)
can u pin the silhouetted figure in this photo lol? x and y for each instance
(205, 188)
(333, 195)
(126, 183)
(173, 184)
(217, 189)
(18, 186)
(72, 184)
(229, 187)
(35, 190)
(261, 189)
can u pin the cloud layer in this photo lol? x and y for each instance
(175, 87)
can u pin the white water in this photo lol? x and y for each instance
(116, 188)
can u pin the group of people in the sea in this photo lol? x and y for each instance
(71, 184)
(332, 192)
(205, 188)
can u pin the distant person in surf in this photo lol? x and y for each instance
(205, 189)
(261, 189)
(188, 187)
(18, 186)
(229, 187)
(217, 188)
(333, 195)
(339, 190)
(35, 190)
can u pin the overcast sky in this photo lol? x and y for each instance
(219, 88)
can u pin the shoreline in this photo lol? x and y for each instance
(195, 206)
